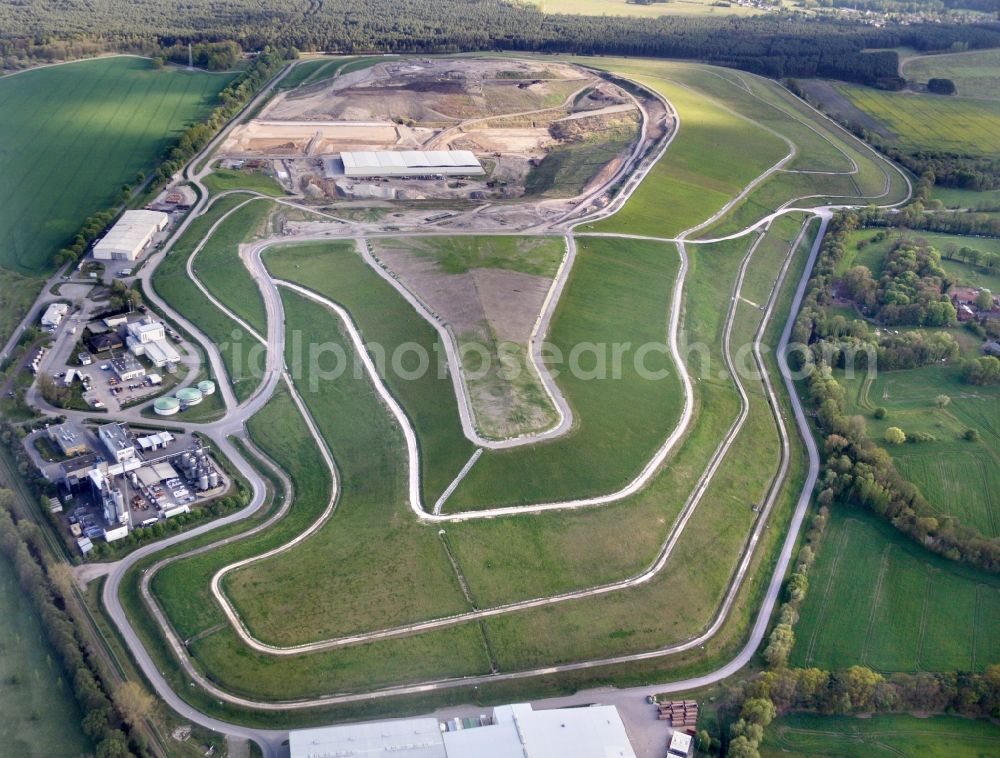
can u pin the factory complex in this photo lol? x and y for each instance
(117, 480)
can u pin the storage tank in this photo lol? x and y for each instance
(189, 396)
(206, 388)
(166, 406)
(213, 479)
(202, 480)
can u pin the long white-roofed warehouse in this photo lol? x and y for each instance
(126, 240)
(412, 163)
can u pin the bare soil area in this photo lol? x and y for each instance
(491, 312)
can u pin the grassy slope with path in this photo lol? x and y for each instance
(40, 713)
(800, 735)
(879, 600)
(713, 156)
(620, 421)
(72, 135)
(219, 267)
(222, 179)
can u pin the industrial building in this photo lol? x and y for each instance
(117, 441)
(126, 240)
(148, 337)
(127, 367)
(411, 163)
(69, 438)
(514, 731)
(54, 315)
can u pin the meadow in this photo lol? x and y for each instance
(223, 180)
(618, 292)
(879, 600)
(976, 74)
(932, 122)
(40, 714)
(218, 264)
(958, 477)
(72, 135)
(803, 735)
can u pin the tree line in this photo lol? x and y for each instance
(777, 45)
(113, 715)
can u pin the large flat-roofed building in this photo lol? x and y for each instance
(413, 738)
(126, 240)
(117, 441)
(70, 439)
(514, 731)
(411, 163)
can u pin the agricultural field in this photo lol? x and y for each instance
(959, 478)
(73, 135)
(803, 735)
(931, 122)
(40, 713)
(878, 600)
(987, 200)
(976, 74)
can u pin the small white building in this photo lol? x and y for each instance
(127, 367)
(147, 337)
(146, 330)
(54, 315)
(127, 239)
(681, 745)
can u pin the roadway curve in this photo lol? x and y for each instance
(237, 414)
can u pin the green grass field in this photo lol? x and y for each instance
(40, 714)
(932, 122)
(879, 600)
(566, 170)
(873, 254)
(893, 736)
(618, 292)
(960, 198)
(714, 155)
(219, 267)
(74, 134)
(976, 74)
(959, 478)
(221, 180)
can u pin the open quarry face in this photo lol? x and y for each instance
(542, 130)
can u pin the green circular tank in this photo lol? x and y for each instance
(189, 396)
(166, 406)
(206, 388)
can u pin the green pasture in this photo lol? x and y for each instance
(222, 272)
(73, 134)
(713, 156)
(932, 122)
(890, 735)
(873, 253)
(976, 74)
(958, 477)
(223, 180)
(877, 599)
(40, 714)
(539, 256)
(961, 198)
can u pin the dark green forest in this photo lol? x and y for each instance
(773, 45)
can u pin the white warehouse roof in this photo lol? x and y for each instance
(127, 238)
(411, 163)
(412, 738)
